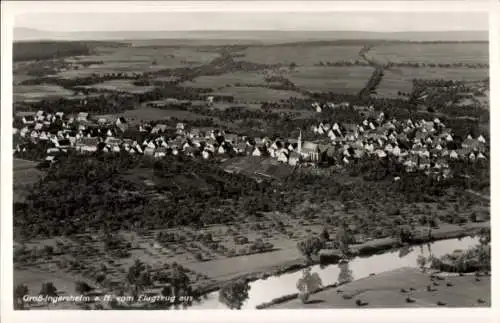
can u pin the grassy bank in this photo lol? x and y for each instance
(400, 288)
(366, 249)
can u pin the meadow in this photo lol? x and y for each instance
(401, 78)
(227, 79)
(349, 79)
(470, 53)
(38, 92)
(300, 55)
(130, 60)
(247, 94)
(384, 291)
(120, 86)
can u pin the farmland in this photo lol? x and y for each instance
(470, 53)
(348, 80)
(400, 79)
(120, 86)
(300, 55)
(228, 79)
(37, 92)
(257, 94)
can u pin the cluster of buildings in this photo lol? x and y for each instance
(425, 145)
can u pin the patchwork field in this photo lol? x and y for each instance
(400, 79)
(349, 79)
(300, 55)
(227, 79)
(257, 94)
(121, 86)
(129, 60)
(471, 53)
(39, 92)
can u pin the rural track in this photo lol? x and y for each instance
(377, 75)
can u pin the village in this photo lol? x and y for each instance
(416, 144)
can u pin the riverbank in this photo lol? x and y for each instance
(400, 288)
(271, 282)
(255, 269)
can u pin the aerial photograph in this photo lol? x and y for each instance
(251, 160)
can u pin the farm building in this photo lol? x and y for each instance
(220, 98)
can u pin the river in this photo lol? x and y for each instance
(265, 290)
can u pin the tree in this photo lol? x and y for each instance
(180, 281)
(138, 277)
(421, 262)
(48, 289)
(19, 292)
(343, 239)
(324, 236)
(308, 283)
(484, 237)
(82, 287)
(234, 293)
(292, 66)
(345, 274)
(309, 247)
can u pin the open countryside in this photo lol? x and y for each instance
(229, 171)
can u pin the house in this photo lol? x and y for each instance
(53, 151)
(102, 121)
(309, 151)
(380, 153)
(221, 149)
(257, 152)
(159, 128)
(160, 152)
(453, 154)
(40, 115)
(43, 136)
(469, 142)
(121, 124)
(149, 151)
(424, 162)
(205, 154)
(87, 144)
(24, 131)
(282, 155)
(28, 120)
(82, 117)
(293, 158)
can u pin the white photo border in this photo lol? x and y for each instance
(12, 8)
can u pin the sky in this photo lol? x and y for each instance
(183, 21)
